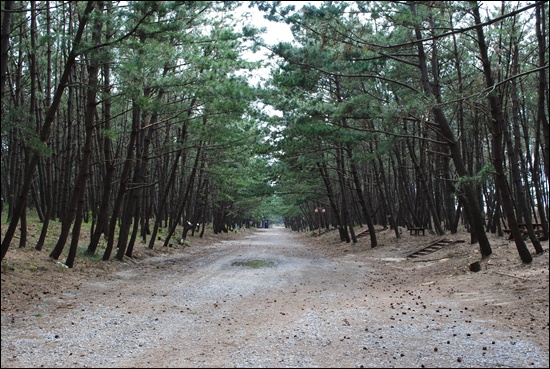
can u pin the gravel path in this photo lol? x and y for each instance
(198, 309)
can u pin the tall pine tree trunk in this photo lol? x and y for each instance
(109, 165)
(45, 132)
(470, 196)
(497, 127)
(77, 198)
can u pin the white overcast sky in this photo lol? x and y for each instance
(275, 33)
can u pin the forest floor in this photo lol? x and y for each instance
(302, 301)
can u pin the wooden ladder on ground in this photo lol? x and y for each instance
(433, 247)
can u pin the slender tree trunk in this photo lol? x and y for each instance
(204, 208)
(331, 198)
(470, 196)
(45, 133)
(198, 215)
(23, 229)
(424, 186)
(186, 196)
(109, 168)
(384, 195)
(49, 208)
(498, 125)
(109, 165)
(164, 198)
(194, 209)
(124, 176)
(517, 159)
(130, 193)
(343, 193)
(542, 119)
(77, 198)
(361, 200)
(356, 180)
(5, 44)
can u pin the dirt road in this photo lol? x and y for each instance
(268, 300)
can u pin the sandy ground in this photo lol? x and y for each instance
(312, 302)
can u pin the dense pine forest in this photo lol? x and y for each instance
(137, 122)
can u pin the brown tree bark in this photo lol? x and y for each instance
(331, 197)
(45, 133)
(132, 194)
(470, 196)
(498, 125)
(102, 225)
(194, 208)
(4, 44)
(188, 186)
(168, 187)
(124, 177)
(542, 119)
(340, 170)
(427, 193)
(517, 159)
(77, 197)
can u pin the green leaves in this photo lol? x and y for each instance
(480, 177)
